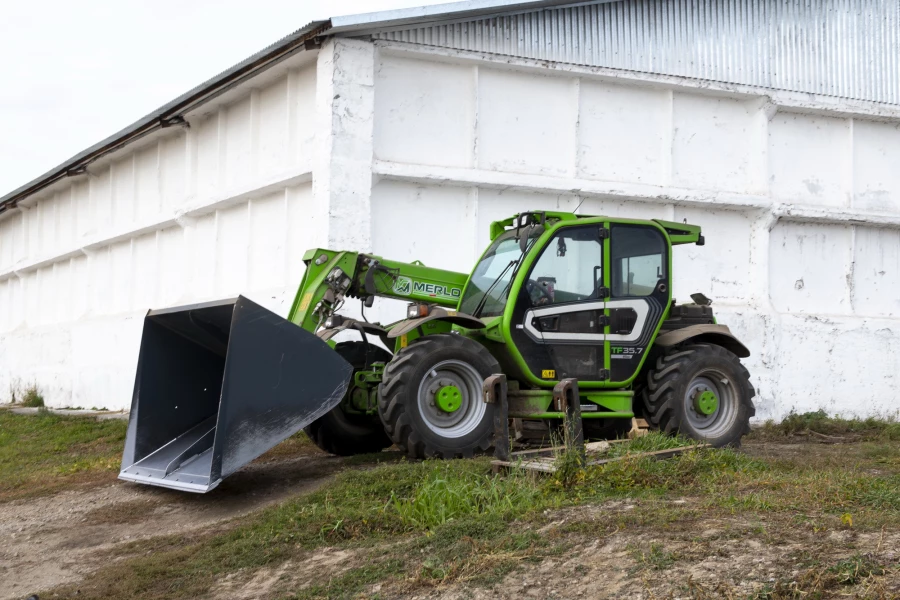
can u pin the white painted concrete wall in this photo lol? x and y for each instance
(411, 152)
(222, 208)
(800, 205)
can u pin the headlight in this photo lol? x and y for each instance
(416, 310)
(334, 321)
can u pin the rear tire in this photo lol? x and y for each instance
(408, 405)
(701, 391)
(347, 434)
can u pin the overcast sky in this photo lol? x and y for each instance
(73, 73)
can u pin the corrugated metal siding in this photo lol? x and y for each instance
(845, 48)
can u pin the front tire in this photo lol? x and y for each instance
(431, 400)
(701, 391)
(344, 434)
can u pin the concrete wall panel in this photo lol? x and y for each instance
(272, 155)
(146, 183)
(809, 159)
(7, 227)
(526, 123)
(812, 268)
(237, 142)
(876, 272)
(305, 230)
(721, 268)
(267, 243)
(122, 179)
(821, 362)
(100, 205)
(173, 175)
(205, 132)
(425, 112)
(434, 225)
(623, 133)
(120, 278)
(173, 267)
(145, 271)
(302, 115)
(876, 178)
(712, 146)
(82, 220)
(231, 251)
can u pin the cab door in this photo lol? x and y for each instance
(640, 293)
(559, 314)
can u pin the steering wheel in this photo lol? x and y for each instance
(545, 297)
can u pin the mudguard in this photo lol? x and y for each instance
(719, 335)
(436, 314)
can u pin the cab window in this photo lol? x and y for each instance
(570, 269)
(638, 260)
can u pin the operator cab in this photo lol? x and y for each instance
(586, 296)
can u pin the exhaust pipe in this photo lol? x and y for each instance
(219, 384)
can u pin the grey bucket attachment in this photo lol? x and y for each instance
(217, 385)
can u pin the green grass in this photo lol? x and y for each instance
(652, 442)
(417, 525)
(447, 493)
(44, 452)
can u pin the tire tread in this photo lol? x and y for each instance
(397, 387)
(663, 407)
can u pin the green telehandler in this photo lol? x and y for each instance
(556, 296)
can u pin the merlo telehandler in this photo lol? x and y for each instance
(555, 296)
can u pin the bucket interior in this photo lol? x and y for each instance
(178, 390)
(219, 384)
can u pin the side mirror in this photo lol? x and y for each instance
(523, 238)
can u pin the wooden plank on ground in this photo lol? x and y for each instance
(528, 460)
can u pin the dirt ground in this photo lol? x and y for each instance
(705, 563)
(57, 539)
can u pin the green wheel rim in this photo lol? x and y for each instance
(448, 398)
(711, 403)
(470, 411)
(706, 402)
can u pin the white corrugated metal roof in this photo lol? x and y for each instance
(839, 48)
(443, 13)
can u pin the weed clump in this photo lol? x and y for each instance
(568, 460)
(822, 582)
(29, 397)
(33, 398)
(818, 423)
(655, 557)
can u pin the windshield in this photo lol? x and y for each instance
(498, 265)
